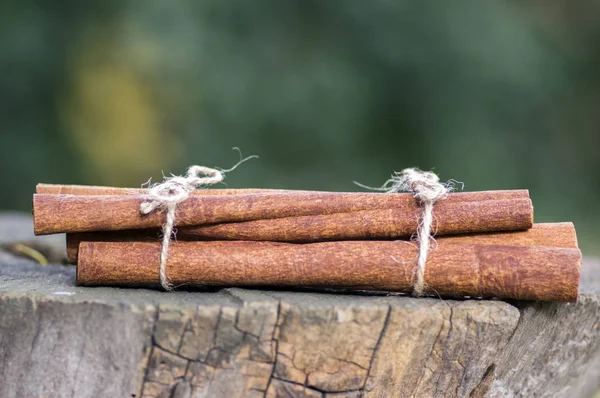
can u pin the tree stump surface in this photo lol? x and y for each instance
(59, 340)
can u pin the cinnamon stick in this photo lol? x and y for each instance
(371, 224)
(463, 211)
(453, 269)
(91, 190)
(546, 234)
(61, 189)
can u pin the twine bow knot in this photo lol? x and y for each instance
(425, 186)
(427, 189)
(177, 189)
(173, 191)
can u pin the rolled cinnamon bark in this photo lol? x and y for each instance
(464, 211)
(100, 190)
(453, 269)
(91, 190)
(372, 224)
(548, 234)
(561, 234)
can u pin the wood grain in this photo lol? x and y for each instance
(453, 269)
(547, 234)
(62, 340)
(460, 212)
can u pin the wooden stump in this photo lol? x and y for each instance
(58, 339)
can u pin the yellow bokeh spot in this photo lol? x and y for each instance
(113, 120)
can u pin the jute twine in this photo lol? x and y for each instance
(171, 192)
(426, 187)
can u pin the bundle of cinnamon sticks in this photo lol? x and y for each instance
(486, 242)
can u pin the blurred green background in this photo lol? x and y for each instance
(499, 95)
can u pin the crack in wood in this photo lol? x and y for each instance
(275, 343)
(146, 368)
(386, 323)
(431, 352)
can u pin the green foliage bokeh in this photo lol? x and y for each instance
(498, 95)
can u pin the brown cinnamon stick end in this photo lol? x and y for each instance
(72, 246)
(37, 215)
